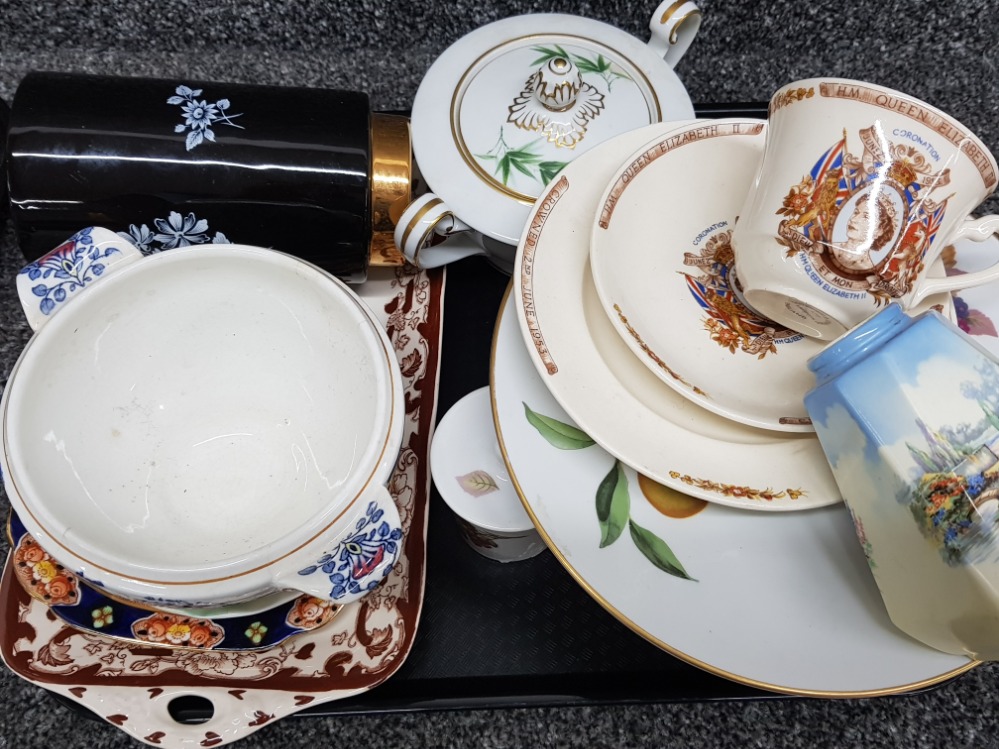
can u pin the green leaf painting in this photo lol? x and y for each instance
(558, 433)
(550, 53)
(656, 551)
(548, 170)
(523, 159)
(613, 499)
(598, 65)
(613, 504)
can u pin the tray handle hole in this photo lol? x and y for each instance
(190, 709)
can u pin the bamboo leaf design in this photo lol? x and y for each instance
(549, 53)
(522, 168)
(613, 504)
(548, 170)
(477, 483)
(558, 433)
(657, 551)
(599, 66)
(524, 159)
(503, 168)
(524, 154)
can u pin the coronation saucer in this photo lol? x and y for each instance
(661, 257)
(250, 626)
(663, 267)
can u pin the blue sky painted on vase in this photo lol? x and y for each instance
(921, 373)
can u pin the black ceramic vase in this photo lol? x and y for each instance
(4, 116)
(169, 163)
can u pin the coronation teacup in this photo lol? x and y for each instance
(859, 190)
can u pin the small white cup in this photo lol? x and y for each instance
(471, 476)
(859, 190)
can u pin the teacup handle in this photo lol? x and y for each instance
(357, 560)
(976, 230)
(428, 234)
(49, 283)
(674, 25)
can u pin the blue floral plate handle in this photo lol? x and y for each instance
(48, 283)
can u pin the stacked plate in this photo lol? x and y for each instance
(188, 676)
(647, 416)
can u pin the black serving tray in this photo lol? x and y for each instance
(525, 633)
(520, 634)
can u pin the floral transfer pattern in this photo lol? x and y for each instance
(172, 232)
(42, 576)
(68, 268)
(478, 537)
(199, 116)
(179, 631)
(653, 355)
(353, 565)
(729, 322)
(83, 605)
(736, 491)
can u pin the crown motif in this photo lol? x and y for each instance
(908, 165)
(719, 247)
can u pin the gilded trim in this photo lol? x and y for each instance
(655, 111)
(391, 184)
(671, 10)
(414, 222)
(566, 563)
(674, 35)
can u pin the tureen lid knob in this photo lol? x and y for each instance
(558, 83)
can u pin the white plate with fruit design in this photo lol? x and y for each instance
(778, 601)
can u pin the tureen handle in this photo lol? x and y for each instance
(46, 285)
(674, 25)
(351, 565)
(428, 234)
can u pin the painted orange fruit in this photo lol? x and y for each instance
(668, 501)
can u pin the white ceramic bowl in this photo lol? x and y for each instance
(203, 426)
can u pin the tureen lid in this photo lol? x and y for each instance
(502, 110)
